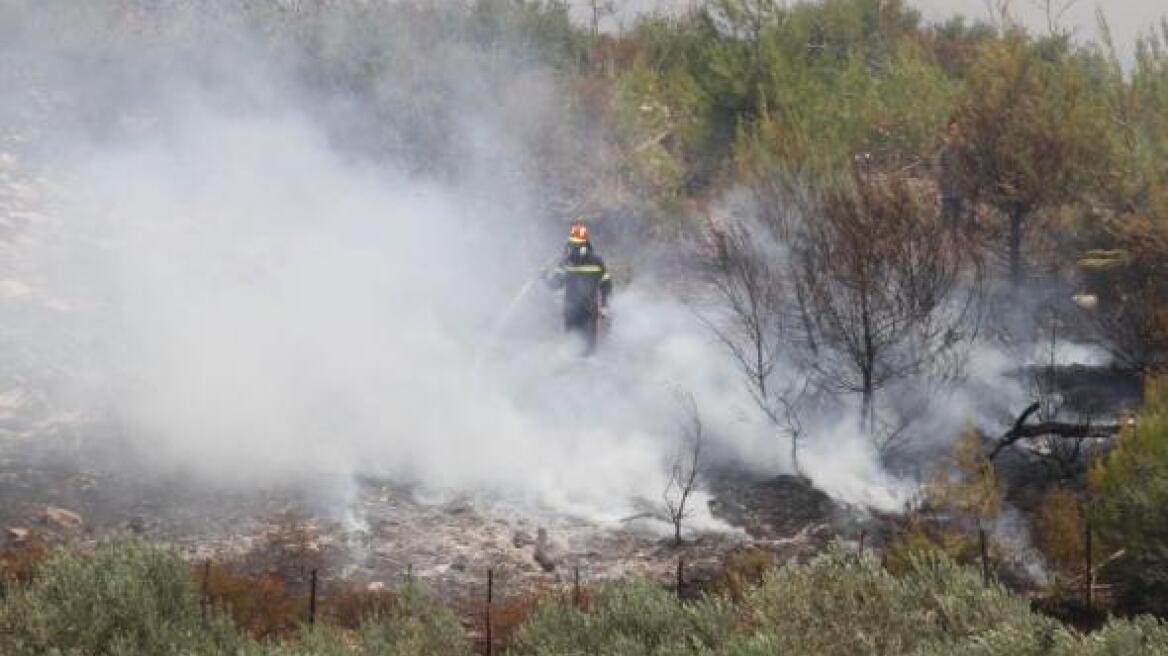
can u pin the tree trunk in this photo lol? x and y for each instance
(795, 455)
(805, 317)
(1017, 215)
(868, 363)
(866, 409)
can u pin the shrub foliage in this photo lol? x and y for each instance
(135, 599)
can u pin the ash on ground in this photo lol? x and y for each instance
(373, 532)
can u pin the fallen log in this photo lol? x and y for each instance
(1021, 431)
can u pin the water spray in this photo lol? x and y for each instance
(505, 316)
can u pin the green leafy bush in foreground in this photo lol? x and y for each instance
(1040, 636)
(634, 618)
(1129, 506)
(132, 599)
(416, 626)
(836, 604)
(135, 599)
(841, 604)
(124, 599)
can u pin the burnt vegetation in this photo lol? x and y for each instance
(859, 283)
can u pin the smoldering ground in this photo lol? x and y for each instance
(224, 275)
(259, 255)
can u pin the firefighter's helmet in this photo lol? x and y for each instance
(578, 233)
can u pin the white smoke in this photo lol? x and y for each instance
(263, 307)
(242, 297)
(242, 293)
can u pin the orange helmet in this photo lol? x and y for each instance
(578, 233)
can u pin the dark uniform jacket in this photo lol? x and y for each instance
(586, 283)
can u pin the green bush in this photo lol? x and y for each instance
(122, 599)
(1130, 507)
(836, 604)
(841, 604)
(1038, 636)
(316, 641)
(416, 626)
(633, 618)
(1144, 636)
(135, 599)
(131, 599)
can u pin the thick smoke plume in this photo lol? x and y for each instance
(256, 276)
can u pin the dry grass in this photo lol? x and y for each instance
(18, 561)
(262, 605)
(1060, 531)
(510, 614)
(349, 607)
(741, 571)
(919, 535)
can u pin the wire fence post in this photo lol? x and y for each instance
(985, 556)
(576, 588)
(205, 598)
(312, 599)
(1089, 575)
(680, 575)
(860, 551)
(490, 602)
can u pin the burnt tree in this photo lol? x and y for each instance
(756, 302)
(889, 290)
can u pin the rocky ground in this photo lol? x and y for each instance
(372, 532)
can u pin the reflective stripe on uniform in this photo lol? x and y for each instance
(583, 268)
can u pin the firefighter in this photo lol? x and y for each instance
(951, 175)
(586, 284)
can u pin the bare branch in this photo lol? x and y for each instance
(687, 464)
(749, 285)
(1054, 11)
